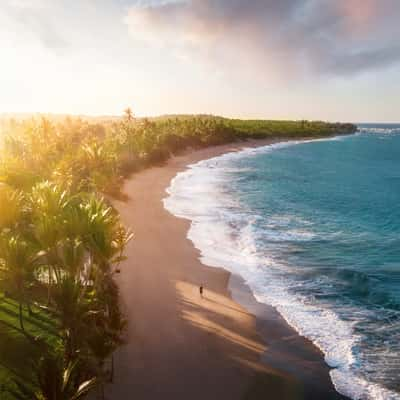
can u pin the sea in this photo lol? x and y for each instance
(313, 228)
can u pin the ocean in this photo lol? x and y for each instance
(313, 227)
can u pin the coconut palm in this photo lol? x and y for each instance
(104, 236)
(72, 256)
(99, 163)
(128, 114)
(73, 311)
(48, 203)
(18, 259)
(105, 335)
(11, 205)
(56, 381)
(49, 198)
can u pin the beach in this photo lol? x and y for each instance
(180, 345)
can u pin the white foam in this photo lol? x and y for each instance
(226, 237)
(380, 130)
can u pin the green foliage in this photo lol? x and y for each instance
(61, 242)
(11, 201)
(56, 381)
(70, 245)
(138, 143)
(58, 235)
(17, 349)
(92, 157)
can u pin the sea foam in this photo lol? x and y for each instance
(226, 237)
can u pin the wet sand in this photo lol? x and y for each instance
(182, 346)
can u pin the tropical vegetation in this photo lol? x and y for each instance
(62, 242)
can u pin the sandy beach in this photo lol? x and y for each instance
(181, 346)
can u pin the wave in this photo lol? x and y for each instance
(226, 236)
(380, 130)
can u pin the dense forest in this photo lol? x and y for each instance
(62, 242)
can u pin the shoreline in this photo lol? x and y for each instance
(224, 346)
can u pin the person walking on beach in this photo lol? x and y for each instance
(201, 288)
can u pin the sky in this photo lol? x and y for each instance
(336, 60)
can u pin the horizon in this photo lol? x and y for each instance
(5, 115)
(238, 59)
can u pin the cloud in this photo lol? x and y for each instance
(283, 38)
(37, 18)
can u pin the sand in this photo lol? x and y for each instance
(182, 346)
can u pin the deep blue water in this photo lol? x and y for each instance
(314, 228)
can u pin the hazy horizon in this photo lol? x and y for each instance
(121, 115)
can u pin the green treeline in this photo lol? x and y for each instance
(90, 156)
(62, 242)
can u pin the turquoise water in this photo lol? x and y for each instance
(314, 229)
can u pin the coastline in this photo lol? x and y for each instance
(224, 346)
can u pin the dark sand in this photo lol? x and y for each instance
(181, 346)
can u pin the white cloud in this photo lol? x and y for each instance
(289, 37)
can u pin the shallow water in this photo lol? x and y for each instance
(313, 228)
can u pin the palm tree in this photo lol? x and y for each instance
(56, 381)
(104, 237)
(11, 205)
(72, 258)
(49, 198)
(73, 312)
(48, 203)
(99, 164)
(128, 114)
(18, 259)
